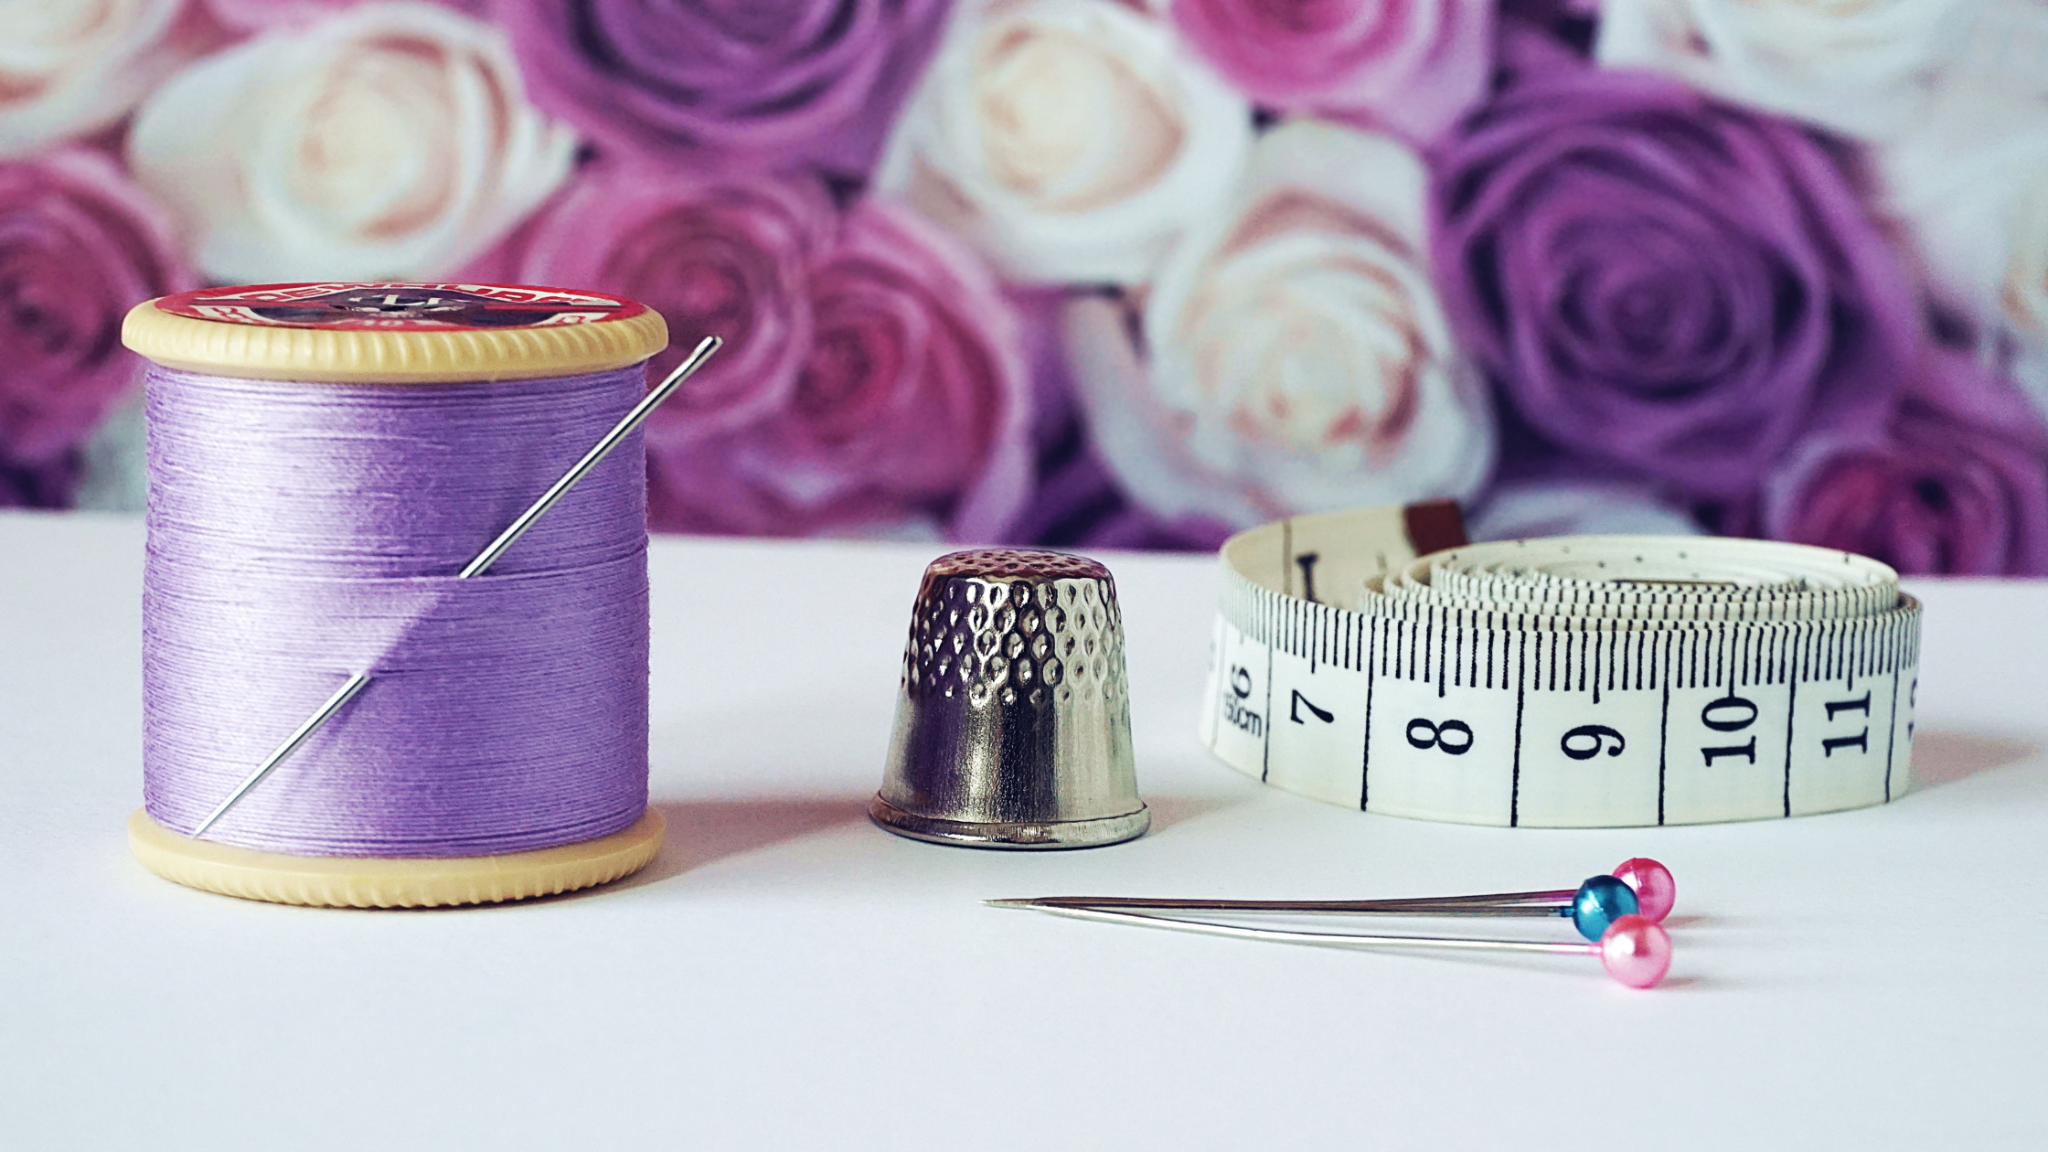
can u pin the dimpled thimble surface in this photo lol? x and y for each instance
(1013, 722)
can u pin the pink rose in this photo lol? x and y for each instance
(909, 413)
(1410, 65)
(1956, 484)
(730, 257)
(79, 246)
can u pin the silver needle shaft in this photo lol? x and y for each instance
(1337, 939)
(477, 567)
(598, 451)
(1553, 903)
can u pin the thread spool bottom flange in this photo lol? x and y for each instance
(1044, 834)
(390, 882)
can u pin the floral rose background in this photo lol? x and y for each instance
(1119, 273)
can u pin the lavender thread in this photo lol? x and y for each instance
(299, 532)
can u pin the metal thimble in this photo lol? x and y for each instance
(1013, 720)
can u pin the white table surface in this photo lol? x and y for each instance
(786, 975)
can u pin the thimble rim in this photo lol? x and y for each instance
(1019, 563)
(1031, 835)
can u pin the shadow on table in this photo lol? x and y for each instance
(1584, 970)
(1168, 811)
(1945, 757)
(701, 832)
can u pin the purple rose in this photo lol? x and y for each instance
(1410, 65)
(909, 413)
(1540, 36)
(49, 486)
(1956, 483)
(773, 83)
(79, 246)
(1664, 282)
(726, 257)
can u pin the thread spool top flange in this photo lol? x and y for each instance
(393, 333)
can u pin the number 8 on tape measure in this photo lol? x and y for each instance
(1571, 682)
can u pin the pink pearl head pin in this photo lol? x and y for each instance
(1636, 951)
(1656, 891)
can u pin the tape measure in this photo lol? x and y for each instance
(1572, 682)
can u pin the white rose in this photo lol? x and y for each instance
(69, 67)
(2003, 43)
(1575, 507)
(2029, 369)
(1971, 181)
(389, 141)
(1300, 359)
(1070, 140)
(1858, 66)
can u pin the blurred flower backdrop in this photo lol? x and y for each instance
(1118, 273)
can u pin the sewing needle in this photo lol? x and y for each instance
(484, 559)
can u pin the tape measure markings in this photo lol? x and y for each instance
(1412, 695)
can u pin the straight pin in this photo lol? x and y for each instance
(1637, 886)
(478, 566)
(1633, 950)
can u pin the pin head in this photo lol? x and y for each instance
(1599, 902)
(1636, 952)
(1656, 892)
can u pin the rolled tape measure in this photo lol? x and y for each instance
(1574, 682)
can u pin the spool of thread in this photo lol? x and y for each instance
(323, 461)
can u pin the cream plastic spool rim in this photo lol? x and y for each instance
(393, 882)
(386, 356)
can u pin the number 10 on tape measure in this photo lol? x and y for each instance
(1575, 682)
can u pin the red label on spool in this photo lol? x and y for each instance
(404, 307)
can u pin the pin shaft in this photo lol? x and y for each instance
(1551, 903)
(1330, 939)
(482, 563)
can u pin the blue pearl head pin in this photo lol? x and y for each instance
(1599, 902)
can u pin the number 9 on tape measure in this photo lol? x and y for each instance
(1568, 682)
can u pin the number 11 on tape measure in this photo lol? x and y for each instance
(1570, 682)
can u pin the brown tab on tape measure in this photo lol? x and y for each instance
(1434, 525)
(1324, 556)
